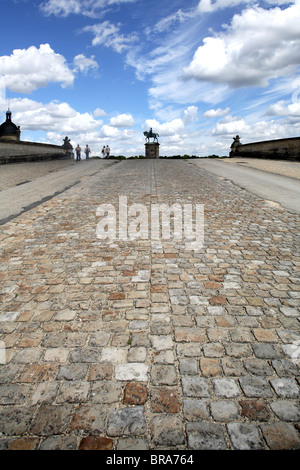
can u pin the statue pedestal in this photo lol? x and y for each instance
(152, 150)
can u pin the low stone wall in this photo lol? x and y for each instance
(13, 152)
(281, 149)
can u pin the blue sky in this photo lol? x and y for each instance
(197, 71)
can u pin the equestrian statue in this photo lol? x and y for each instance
(151, 135)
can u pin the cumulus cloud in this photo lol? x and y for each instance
(84, 64)
(259, 45)
(190, 114)
(212, 113)
(252, 131)
(26, 70)
(99, 112)
(50, 117)
(282, 109)
(231, 126)
(167, 128)
(123, 120)
(109, 131)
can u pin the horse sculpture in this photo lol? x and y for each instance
(151, 135)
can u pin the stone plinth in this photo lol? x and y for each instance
(152, 150)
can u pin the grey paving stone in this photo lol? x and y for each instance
(15, 420)
(72, 371)
(58, 418)
(285, 368)
(163, 374)
(128, 443)
(286, 410)
(266, 350)
(224, 410)
(258, 367)
(205, 436)
(105, 392)
(167, 431)
(195, 387)
(255, 387)
(245, 436)
(281, 436)
(195, 410)
(188, 366)
(226, 388)
(127, 422)
(285, 388)
(132, 371)
(59, 443)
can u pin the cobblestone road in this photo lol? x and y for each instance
(146, 344)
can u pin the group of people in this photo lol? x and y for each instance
(105, 152)
(87, 152)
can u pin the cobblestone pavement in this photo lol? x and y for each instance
(146, 344)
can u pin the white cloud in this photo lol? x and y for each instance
(84, 64)
(26, 70)
(109, 35)
(190, 114)
(210, 6)
(90, 8)
(212, 113)
(50, 117)
(253, 131)
(167, 128)
(109, 131)
(281, 109)
(165, 23)
(123, 120)
(231, 125)
(99, 112)
(258, 45)
(206, 6)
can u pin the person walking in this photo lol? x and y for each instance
(87, 151)
(78, 153)
(107, 151)
(103, 151)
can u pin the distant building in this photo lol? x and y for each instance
(13, 150)
(8, 130)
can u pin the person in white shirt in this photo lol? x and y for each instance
(87, 151)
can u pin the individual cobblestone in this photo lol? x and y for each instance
(146, 344)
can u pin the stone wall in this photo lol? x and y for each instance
(12, 152)
(281, 149)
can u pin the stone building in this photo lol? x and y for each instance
(281, 149)
(8, 130)
(13, 150)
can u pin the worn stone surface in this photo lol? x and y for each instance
(145, 343)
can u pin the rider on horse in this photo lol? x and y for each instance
(151, 135)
